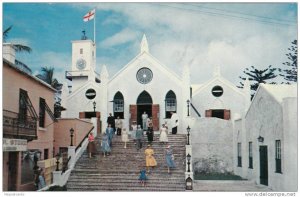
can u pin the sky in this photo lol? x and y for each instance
(233, 36)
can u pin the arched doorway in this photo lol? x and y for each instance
(144, 104)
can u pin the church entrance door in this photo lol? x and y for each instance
(140, 110)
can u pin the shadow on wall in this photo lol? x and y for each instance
(211, 165)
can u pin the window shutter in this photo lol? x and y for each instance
(208, 113)
(226, 114)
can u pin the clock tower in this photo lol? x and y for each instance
(83, 67)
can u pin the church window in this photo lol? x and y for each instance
(170, 103)
(250, 156)
(119, 105)
(217, 91)
(144, 75)
(81, 51)
(239, 153)
(278, 156)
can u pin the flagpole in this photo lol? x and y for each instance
(95, 28)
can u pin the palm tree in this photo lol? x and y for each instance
(17, 47)
(47, 76)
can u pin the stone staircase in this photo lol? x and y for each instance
(120, 170)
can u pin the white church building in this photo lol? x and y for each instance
(220, 115)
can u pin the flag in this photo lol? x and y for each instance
(89, 16)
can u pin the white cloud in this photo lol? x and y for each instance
(122, 37)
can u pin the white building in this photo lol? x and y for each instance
(265, 141)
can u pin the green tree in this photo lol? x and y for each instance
(290, 73)
(17, 47)
(47, 75)
(257, 76)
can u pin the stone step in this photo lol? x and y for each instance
(138, 187)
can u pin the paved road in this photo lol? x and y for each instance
(228, 186)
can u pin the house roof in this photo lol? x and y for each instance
(279, 92)
(13, 66)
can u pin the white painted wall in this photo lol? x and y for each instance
(212, 145)
(232, 98)
(273, 120)
(161, 83)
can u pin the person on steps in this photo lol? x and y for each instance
(91, 145)
(119, 125)
(143, 177)
(105, 145)
(133, 132)
(110, 133)
(150, 160)
(150, 133)
(124, 137)
(139, 137)
(163, 134)
(169, 158)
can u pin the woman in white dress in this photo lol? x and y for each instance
(133, 132)
(124, 137)
(163, 134)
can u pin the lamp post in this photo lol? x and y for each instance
(57, 156)
(94, 105)
(71, 134)
(188, 157)
(188, 107)
(188, 135)
(260, 139)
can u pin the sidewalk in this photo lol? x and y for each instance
(228, 186)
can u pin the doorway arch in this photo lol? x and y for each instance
(144, 104)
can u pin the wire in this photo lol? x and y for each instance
(226, 15)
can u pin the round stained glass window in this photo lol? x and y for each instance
(144, 75)
(217, 91)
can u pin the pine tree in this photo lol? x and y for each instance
(290, 73)
(257, 77)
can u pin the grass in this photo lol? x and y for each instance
(217, 176)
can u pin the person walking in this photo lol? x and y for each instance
(143, 177)
(119, 125)
(139, 136)
(42, 182)
(124, 137)
(163, 134)
(91, 145)
(169, 158)
(150, 133)
(174, 122)
(133, 132)
(105, 145)
(144, 119)
(110, 133)
(150, 160)
(111, 121)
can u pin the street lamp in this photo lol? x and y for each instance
(57, 156)
(189, 183)
(188, 157)
(71, 134)
(260, 139)
(188, 107)
(188, 135)
(94, 104)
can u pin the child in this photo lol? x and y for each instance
(143, 177)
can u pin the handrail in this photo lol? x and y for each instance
(86, 136)
(65, 167)
(195, 110)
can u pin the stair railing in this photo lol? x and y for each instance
(85, 137)
(194, 108)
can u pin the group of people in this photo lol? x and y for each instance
(115, 127)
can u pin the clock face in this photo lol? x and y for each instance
(81, 64)
(144, 75)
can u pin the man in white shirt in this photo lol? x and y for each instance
(145, 118)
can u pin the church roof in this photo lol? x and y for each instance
(280, 91)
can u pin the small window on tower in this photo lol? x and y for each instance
(81, 51)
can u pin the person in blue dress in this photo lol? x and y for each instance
(42, 182)
(169, 158)
(110, 133)
(143, 177)
(105, 145)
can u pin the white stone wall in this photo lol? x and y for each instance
(290, 144)
(212, 145)
(270, 119)
(231, 99)
(161, 83)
